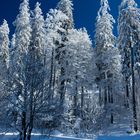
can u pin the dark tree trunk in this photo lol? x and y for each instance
(82, 100)
(109, 94)
(100, 96)
(127, 89)
(112, 100)
(20, 136)
(112, 118)
(133, 91)
(31, 107)
(24, 125)
(105, 96)
(62, 90)
(127, 94)
(75, 98)
(30, 128)
(75, 105)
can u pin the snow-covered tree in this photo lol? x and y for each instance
(54, 27)
(126, 9)
(4, 66)
(104, 41)
(107, 59)
(66, 6)
(4, 51)
(35, 69)
(128, 42)
(57, 23)
(19, 97)
(78, 58)
(80, 83)
(4, 44)
(74, 58)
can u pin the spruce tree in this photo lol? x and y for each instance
(107, 60)
(4, 77)
(54, 26)
(36, 68)
(104, 42)
(128, 42)
(19, 70)
(4, 44)
(65, 6)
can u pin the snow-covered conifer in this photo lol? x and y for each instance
(35, 68)
(4, 44)
(66, 6)
(128, 42)
(78, 56)
(65, 23)
(23, 28)
(4, 68)
(19, 80)
(104, 41)
(107, 59)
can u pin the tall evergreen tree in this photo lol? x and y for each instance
(107, 60)
(19, 79)
(128, 42)
(77, 71)
(4, 66)
(104, 41)
(54, 26)
(36, 68)
(66, 7)
(4, 32)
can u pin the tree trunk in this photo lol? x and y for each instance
(100, 96)
(54, 82)
(51, 77)
(127, 89)
(75, 98)
(30, 128)
(112, 118)
(105, 96)
(82, 100)
(109, 94)
(62, 90)
(127, 92)
(133, 91)
(20, 136)
(31, 105)
(24, 125)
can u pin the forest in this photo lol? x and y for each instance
(55, 77)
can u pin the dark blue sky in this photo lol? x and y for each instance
(85, 11)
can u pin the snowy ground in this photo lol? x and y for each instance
(37, 137)
(135, 137)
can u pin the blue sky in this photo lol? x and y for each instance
(85, 11)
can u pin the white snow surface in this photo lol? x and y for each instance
(14, 136)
